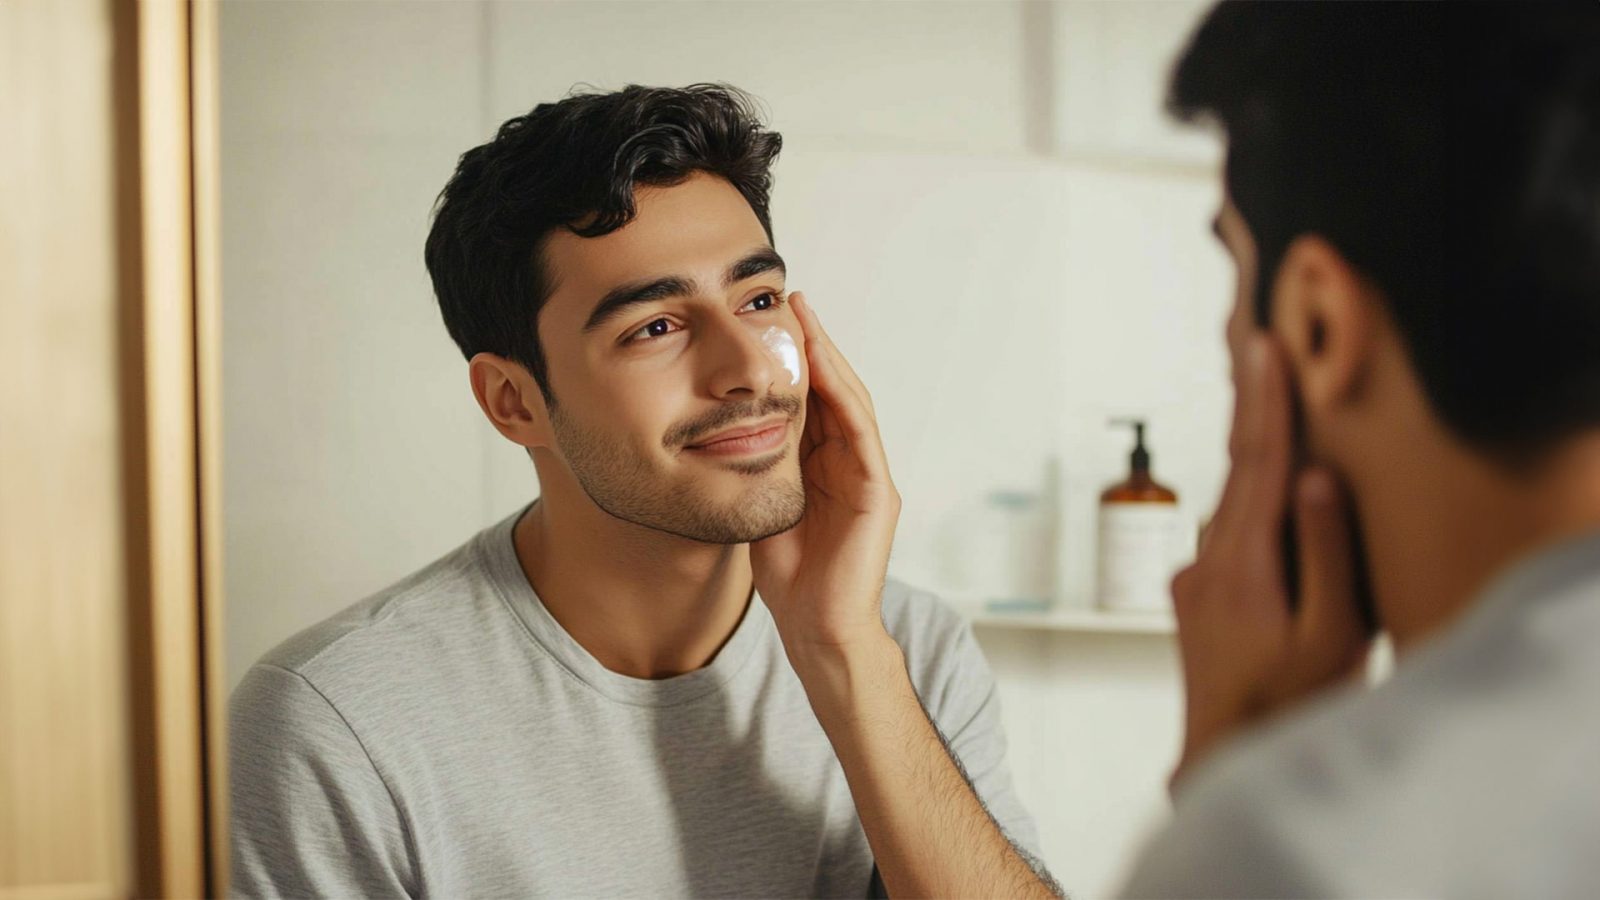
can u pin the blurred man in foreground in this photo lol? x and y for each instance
(1413, 204)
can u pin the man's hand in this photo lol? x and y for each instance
(823, 579)
(1245, 653)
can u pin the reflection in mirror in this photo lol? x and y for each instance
(1004, 240)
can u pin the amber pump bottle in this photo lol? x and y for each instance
(1140, 531)
(1140, 486)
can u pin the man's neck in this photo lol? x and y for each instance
(641, 602)
(1440, 527)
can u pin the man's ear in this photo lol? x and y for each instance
(1323, 311)
(511, 400)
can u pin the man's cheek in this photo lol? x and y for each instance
(641, 413)
(785, 351)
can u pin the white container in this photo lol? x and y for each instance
(1010, 564)
(1140, 548)
(1141, 536)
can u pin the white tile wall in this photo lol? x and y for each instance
(401, 70)
(1000, 302)
(1002, 308)
(351, 450)
(1093, 724)
(899, 74)
(1112, 61)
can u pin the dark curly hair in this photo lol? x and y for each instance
(1452, 153)
(574, 164)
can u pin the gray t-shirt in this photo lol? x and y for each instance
(1473, 772)
(448, 738)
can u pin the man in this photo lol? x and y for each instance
(610, 693)
(1413, 206)
(1415, 216)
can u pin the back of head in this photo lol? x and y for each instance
(1452, 154)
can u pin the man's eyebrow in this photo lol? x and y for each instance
(634, 293)
(754, 263)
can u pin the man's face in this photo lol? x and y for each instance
(677, 368)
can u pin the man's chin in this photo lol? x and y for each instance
(772, 509)
(725, 532)
(778, 526)
(749, 515)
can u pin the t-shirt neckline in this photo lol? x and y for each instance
(499, 556)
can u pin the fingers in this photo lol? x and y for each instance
(814, 331)
(827, 384)
(1329, 626)
(1261, 444)
(840, 390)
(815, 430)
(822, 423)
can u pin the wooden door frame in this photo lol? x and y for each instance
(205, 79)
(168, 169)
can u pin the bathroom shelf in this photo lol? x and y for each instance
(1081, 620)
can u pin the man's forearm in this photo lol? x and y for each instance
(930, 834)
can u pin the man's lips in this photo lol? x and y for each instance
(754, 438)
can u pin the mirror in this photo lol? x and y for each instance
(983, 200)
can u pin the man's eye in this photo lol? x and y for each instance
(766, 301)
(655, 329)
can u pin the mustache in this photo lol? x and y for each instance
(686, 433)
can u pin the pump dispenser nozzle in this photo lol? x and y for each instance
(1139, 461)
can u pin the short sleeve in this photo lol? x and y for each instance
(958, 690)
(310, 817)
(969, 716)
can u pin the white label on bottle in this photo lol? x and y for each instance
(1138, 555)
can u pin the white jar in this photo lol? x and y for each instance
(1140, 547)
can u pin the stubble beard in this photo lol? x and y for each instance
(623, 485)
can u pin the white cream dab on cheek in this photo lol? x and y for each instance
(781, 345)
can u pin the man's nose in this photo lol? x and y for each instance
(736, 360)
